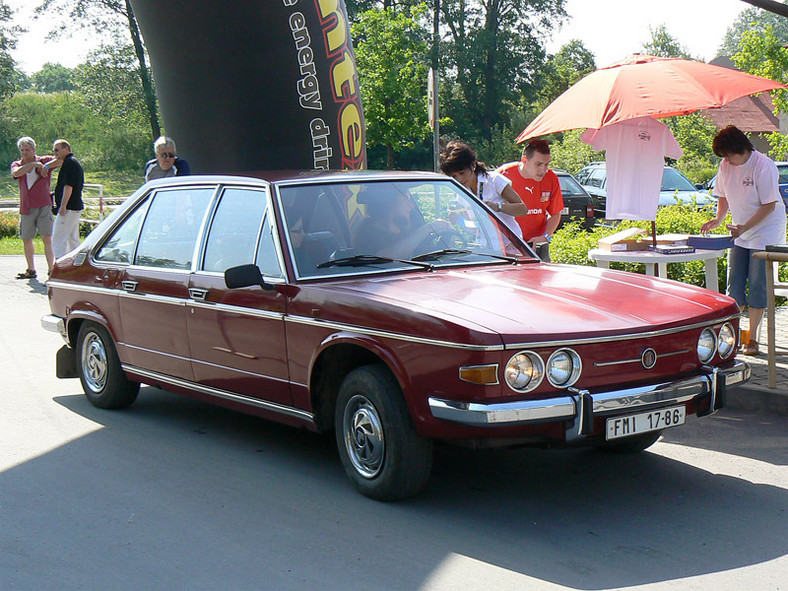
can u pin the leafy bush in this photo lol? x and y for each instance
(9, 224)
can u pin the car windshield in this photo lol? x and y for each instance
(569, 186)
(344, 228)
(673, 180)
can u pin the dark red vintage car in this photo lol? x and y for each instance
(392, 308)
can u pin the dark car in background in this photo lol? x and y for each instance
(578, 204)
(675, 187)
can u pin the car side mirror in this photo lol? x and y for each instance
(245, 276)
(700, 186)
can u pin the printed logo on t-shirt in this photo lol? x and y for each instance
(644, 135)
(545, 195)
(536, 211)
(529, 189)
(747, 181)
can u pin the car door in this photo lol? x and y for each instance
(237, 337)
(155, 287)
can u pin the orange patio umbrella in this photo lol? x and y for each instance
(644, 86)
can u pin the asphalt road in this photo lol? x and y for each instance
(175, 494)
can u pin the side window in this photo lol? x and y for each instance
(236, 224)
(170, 231)
(267, 259)
(596, 178)
(120, 246)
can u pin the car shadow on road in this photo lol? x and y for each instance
(217, 488)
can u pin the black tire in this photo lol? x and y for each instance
(632, 444)
(103, 380)
(383, 455)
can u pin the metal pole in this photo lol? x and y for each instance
(436, 134)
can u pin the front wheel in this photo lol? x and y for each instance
(103, 380)
(383, 455)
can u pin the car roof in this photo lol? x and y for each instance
(299, 176)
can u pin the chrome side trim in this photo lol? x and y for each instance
(241, 311)
(390, 335)
(582, 406)
(223, 394)
(82, 288)
(147, 297)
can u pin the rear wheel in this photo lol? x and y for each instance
(103, 380)
(383, 455)
(632, 444)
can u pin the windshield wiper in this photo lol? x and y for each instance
(361, 260)
(435, 255)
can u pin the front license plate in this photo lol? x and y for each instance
(645, 422)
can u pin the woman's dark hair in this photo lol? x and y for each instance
(731, 140)
(458, 156)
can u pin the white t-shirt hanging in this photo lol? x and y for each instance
(490, 185)
(746, 188)
(636, 150)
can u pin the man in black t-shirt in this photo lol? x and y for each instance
(68, 200)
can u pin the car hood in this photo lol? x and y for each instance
(532, 302)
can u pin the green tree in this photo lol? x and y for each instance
(8, 74)
(493, 56)
(391, 56)
(695, 133)
(663, 44)
(762, 53)
(53, 78)
(753, 19)
(113, 15)
(563, 69)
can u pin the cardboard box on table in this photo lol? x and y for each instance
(629, 239)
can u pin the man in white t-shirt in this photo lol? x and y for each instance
(747, 185)
(636, 150)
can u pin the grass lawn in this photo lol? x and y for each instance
(14, 246)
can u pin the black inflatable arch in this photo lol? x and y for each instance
(256, 84)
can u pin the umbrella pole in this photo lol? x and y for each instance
(654, 233)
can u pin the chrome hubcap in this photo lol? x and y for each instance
(94, 362)
(364, 439)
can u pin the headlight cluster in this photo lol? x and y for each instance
(710, 342)
(526, 370)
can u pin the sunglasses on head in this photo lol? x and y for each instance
(167, 155)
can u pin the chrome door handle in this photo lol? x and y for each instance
(129, 285)
(197, 293)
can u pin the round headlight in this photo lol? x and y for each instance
(524, 372)
(727, 341)
(563, 368)
(707, 345)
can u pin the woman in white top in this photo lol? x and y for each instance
(459, 162)
(747, 185)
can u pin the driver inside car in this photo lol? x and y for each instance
(394, 228)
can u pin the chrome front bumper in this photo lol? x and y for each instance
(580, 406)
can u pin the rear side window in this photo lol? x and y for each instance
(597, 178)
(171, 227)
(232, 238)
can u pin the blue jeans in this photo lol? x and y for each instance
(743, 269)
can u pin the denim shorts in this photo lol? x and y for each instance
(746, 277)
